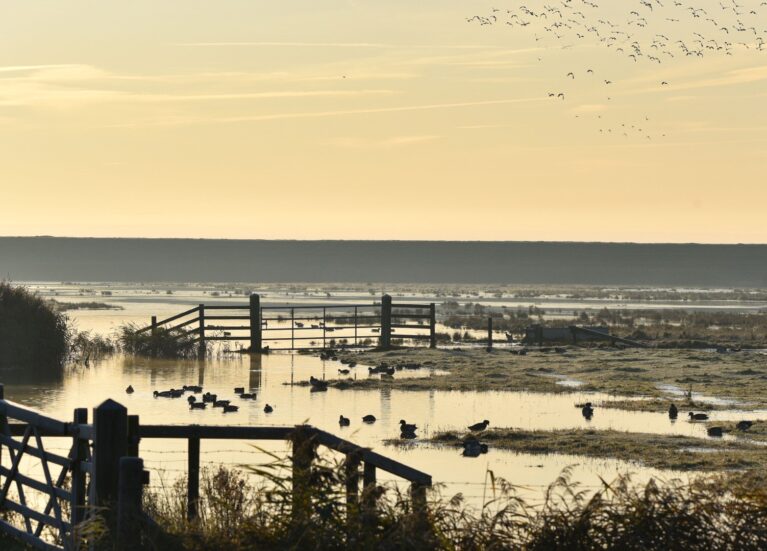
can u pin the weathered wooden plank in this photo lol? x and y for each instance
(27, 538)
(36, 484)
(30, 450)
(168, 320)
(216, 432)
(51, 426)
(34, 515)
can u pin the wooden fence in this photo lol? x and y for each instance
(108, 481)
(303, 326)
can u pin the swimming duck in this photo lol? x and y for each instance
(248, 395)
(208, 397)
(369, 419)
(343, 371)
(744, 425)
(479, 426)
(191, 399)
(129, 390)
(239, 390)
(220, 403)
(344, 421)
(268, 408)
(715, 431)
(230, 409)
(404, 427)
(193, 388)
(197, 405)
(698, 416)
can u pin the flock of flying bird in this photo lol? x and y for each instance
(640, 31)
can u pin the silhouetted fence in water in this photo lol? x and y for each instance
(107, 472)
(304, 326)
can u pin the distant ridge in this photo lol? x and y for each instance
(199, 260)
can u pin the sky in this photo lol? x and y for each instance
(362, 119)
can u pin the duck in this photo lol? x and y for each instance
(352, 364)
(197, 405)
(673, 412)
(473, 447)
(369, 419)
(239, 390)
(191, 399)
(162, 394)
(744, 425)
(230, 409)
(344, 421)
(479, 426)
(405, 427)
(129, 390)
(343, 371)
(698, 416)
(268, 408)
(193, 388)
(318, 385)
(208, 397)
(248, 395)
(588, 411)
(220, 403)
(715, 431)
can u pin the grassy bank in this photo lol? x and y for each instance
(740, 376)
(719, 513)
(682, 453)
(32, 332)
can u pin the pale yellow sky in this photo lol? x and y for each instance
(379, 120)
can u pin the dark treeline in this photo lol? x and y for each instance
(197, 260)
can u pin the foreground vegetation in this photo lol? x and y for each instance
(740, 376)
(671, 451)
(719, 513)
(163, 343)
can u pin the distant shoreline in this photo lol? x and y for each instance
(326, 261)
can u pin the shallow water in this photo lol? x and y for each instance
(432, 411)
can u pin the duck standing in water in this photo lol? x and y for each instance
(588, 411)
(673, 412)
(344, 421)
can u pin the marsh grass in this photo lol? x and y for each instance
(713, 512)
(32, 332)
(163, 343)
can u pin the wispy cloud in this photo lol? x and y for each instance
(326, 114)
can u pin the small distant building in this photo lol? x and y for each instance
(536, 334)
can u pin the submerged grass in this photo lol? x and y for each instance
(675, 452)
(708, 512)
(163, 343)
(739, 376)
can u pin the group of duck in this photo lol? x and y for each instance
(673, 413)
(206, 398)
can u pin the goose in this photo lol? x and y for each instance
(744, 425)
(404, 427)
(344, 421)
(698, 416)
(129, 390)
(715, 431)
(369, 419)
(673, 412)
(248, 395)
(479, 426)
(230, 409)
(268, 408)
(220, 403)
(197, 405)
(239, 390)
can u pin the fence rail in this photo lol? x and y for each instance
(313, 326)
(108, 481)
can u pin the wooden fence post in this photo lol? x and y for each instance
(133, 435)
(129, 510)
(432, 325)
(489, 333)
(255, 323)
(80, 446)
(154, 326)
(202, 331)
(385, 322)
(193, 477)
(303, 456)
(418, 497)
(110, 443)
